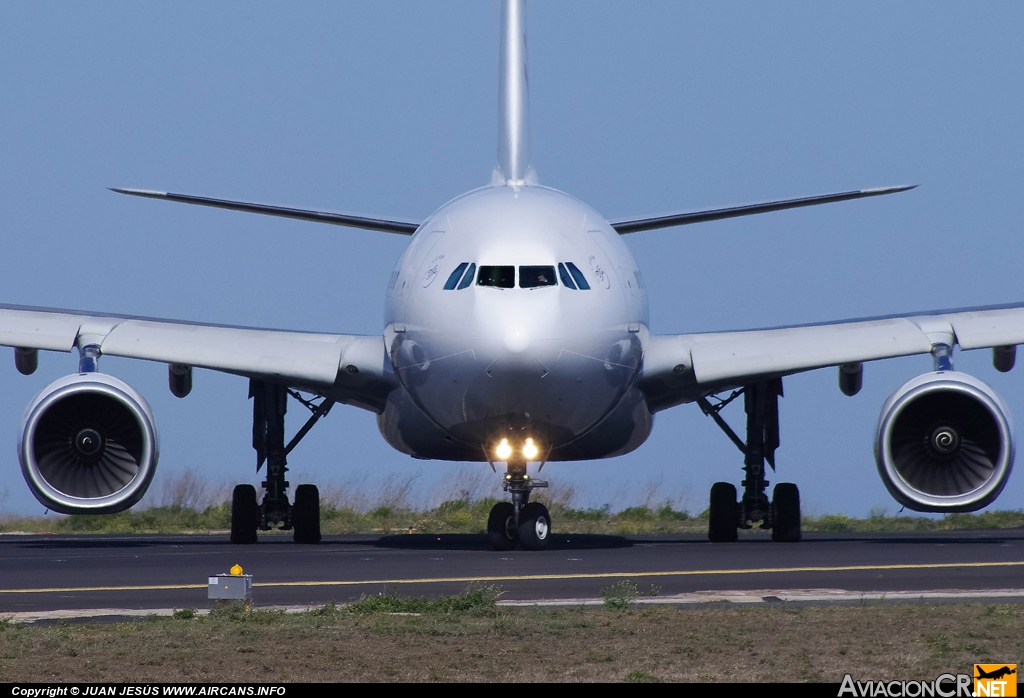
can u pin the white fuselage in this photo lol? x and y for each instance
(479, 363)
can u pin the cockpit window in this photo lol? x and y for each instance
(468, 278)
(581, 280)
(533, 277)
(498, 277)
(453, 280)
(563, 274)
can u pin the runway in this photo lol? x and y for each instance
(45, 572)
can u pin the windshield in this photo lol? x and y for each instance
(468, 278)
(456, 275)
(532, 277)
(581, 281)
(498, 277)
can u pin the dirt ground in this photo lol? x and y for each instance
(514, 644)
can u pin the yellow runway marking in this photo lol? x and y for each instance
(535, 577)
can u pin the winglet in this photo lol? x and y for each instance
(140, 192)
(888, 190)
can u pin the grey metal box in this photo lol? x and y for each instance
(230, 586)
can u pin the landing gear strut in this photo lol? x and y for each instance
(782, 512)
(524, 522)
(270, 403)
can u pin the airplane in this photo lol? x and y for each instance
(995, 673)
(516, 331)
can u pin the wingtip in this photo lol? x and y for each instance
(890, 190)
(137, 192)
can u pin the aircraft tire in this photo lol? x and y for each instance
(501, 530)
(306, 515)
(245, 515)
(723, 513)
(786, 513)
(534, 526)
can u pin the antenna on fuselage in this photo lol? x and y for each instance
(514, 99)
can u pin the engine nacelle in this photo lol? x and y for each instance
(88, 445)
(944, 443)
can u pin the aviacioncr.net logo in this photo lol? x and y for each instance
(945, 686)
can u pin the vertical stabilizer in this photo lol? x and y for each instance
(514, 100)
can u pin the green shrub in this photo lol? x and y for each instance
(474, 599)
(618, 596)
(641, 677)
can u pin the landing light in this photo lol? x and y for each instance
(503, 451)
(530, 450)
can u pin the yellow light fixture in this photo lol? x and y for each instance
(530, 450)
(503, 451)
(235, 570)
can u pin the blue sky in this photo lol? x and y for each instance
(391, 109)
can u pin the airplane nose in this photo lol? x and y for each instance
(517, 338)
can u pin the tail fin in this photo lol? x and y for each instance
(514, 100)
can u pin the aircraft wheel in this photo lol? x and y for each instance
(245, 515)
(501, 526)
(723, 513)
(534, 526)
(786, 513)
(306, 514)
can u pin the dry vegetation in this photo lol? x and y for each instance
(470, 638)
(189, 503)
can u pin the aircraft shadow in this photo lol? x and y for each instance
(479, 541)
(453, 541)
(87, 543)
(980, 537)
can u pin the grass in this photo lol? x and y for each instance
(470, 638)
(618, 596)
(482, 599)
(187, 503)
(462, 516)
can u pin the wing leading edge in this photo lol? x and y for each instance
(399, 227)
(636, 225)
(407, 227)
(348, 368)
(681, 368)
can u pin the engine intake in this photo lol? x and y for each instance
(88, 445)
(944, 443)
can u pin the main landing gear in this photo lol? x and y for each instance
(727, 514)
(521, 521)
(270, 402)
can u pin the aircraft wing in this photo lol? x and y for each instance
(682, 368)
(384, 225)
(636, 225)
(347, 368)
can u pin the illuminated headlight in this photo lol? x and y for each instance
(503, 450)
(530, 450)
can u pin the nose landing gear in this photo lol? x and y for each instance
(524, 522)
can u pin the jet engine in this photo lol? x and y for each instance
(944, 443)
(88, 445)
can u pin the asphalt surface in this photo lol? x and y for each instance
(47, 572)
